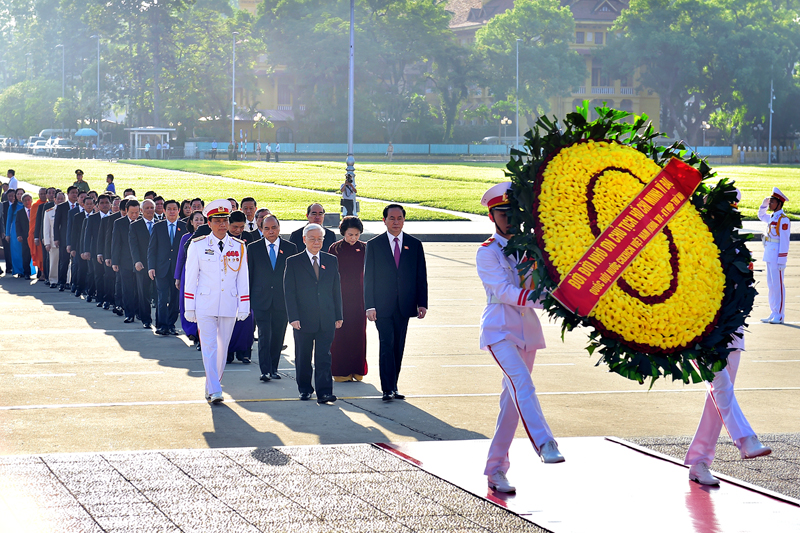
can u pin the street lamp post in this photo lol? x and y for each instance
(233, 87)
(62, 84)
(351, 160)
(505, 122)
(771, 98)
(99, 108)
(516, 141)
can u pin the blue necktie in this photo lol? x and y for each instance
(150, 227)
(272, 257)
(171, 233)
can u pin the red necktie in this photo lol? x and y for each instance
(397, 252)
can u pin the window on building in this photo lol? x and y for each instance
(605, 8)
(284, 94)
(284, 134)
(598, 37)
(599, 78)
(579, 37)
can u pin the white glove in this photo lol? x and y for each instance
(782, 267)
(189, 315)
(242, 316)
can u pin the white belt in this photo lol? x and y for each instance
(770, 239)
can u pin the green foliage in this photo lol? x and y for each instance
(711, 56)
(27, 108)
(713, 203)
(547, 67)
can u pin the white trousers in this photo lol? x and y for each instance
(517, 400)
(777, 291)
(215, 335)
(53, 254)
(720, 408)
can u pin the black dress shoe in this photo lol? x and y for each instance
(160, 331)
(326, 398)
(245, 360)
(53, 285)
(88, 299)
(265, 377)
(61, 288)
(397, 396)
(100, 304)
(305, 396)
(77, 294)
(172, 331)
(275, 375)
(387, 397)
(129, 319)
(118, 311)
(147, 325)
(106, 306)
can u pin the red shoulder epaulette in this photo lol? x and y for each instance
(488, 241)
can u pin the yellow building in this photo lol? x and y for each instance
(593, 21)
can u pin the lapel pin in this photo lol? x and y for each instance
(323, 267)
(405, 247)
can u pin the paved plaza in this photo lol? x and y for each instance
(105, 422)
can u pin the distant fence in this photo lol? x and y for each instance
(203, 149)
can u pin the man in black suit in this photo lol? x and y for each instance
(71, 236)
(395, 289)
(315, 214)
(266, 261)
(60, 234)
(112, 278)
(93, 243)
(139, 240)
(162, 255)
(122, 262)
(84, 251)
(23, 227)
(79, 272)
(314, 307)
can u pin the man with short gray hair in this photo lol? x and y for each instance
(314, 308)
(139, 240)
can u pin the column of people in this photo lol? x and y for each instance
(158, 262)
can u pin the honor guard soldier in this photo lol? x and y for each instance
(217, 291)
(776, 251)
(511, 332)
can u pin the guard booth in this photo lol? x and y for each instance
(147, 134)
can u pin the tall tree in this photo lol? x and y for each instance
(547, 66)
(706, 57)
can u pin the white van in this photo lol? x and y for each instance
(46, 134)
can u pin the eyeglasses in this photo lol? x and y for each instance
(314, 239)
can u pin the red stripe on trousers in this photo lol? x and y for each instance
(516, 401)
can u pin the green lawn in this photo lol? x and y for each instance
(286, 204)
(756, 183)
(457, 187)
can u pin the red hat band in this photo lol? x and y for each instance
(498, 200)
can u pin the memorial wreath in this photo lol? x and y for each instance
(633, 241)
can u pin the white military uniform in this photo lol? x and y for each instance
(48, 240)
(511, 331)
(217, 289)
(720, 408)
(776, 252)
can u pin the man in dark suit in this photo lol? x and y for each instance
(23, 227)
(266, 261)
(60, 234)
(315, 214)
(162, 255)
(85, 254)
(139, 240)
(79, 270)
(112, 278)
(395, 289)
(6, 245)
(122, 262)
(74, 262)
(93, 243)
(314, 307)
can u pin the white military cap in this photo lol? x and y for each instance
(218, 209)
(497, 196)
(776, 193)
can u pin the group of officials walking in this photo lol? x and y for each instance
(225, 272)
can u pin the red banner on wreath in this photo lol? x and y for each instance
(622, 241)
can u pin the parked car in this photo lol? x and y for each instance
(48, 145)
(32, 140)
(38, 148)
(63, 148)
